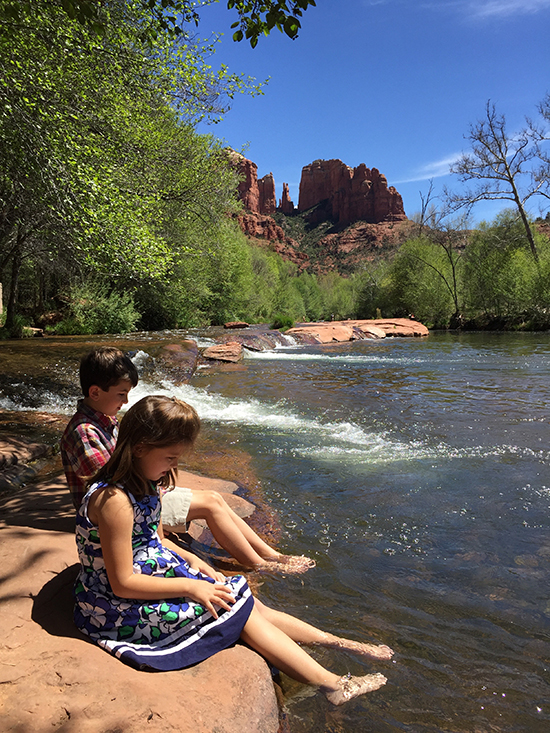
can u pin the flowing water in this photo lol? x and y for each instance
(417, 473)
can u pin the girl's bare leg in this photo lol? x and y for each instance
(234, 535)
(281, 651)
(305, 633)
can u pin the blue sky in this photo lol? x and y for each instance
(393, 84)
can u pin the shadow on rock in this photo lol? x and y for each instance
(43, 505)
(53, 606)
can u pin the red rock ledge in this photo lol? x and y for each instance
(328, 331)
(52, 678)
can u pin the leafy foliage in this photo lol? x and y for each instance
(93, 309)
(171, 17)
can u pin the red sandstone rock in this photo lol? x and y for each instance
(286, 205)
(257, 196)
(180, 360)
(266, 231)
(396, 326)
(268, 200)
(231, 351)
(236, 324)
(349, 194)
(52, 678)
(325, 332)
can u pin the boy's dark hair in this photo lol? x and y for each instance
(105, 366)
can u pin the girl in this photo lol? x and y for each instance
(157, 606)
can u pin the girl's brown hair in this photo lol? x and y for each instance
(153, 422)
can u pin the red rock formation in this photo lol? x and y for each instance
(268, 200)
(257, 196)
(349, 194)
(286, 205)
(248, 189)
(265, 230)
(230, 351)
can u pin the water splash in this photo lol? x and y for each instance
(306, 436)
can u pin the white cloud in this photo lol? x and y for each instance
(505, 8)
(436, 169)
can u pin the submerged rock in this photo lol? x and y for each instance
(179, 361)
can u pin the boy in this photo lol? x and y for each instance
(106, 376)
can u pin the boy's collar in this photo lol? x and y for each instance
(101, 417)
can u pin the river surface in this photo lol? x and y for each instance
(417, 473)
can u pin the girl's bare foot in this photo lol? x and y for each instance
(372, 651)
(350, 687)
(286, 564)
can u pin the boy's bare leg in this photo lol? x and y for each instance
(305, 633)
(234, 535)
(283, 652)
(292, 563)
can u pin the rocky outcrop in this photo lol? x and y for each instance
(230, 351)
(346, 250)
(286, 205)
(236, 324)
(179, 360)
(264, 230)
(257, 196)
(268, 200)
(346, 195)
(326, 332)
(54, 678)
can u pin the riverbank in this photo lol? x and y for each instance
(52, 677)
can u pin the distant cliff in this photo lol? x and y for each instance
(346, 195)
(339, 193)
(344, 217)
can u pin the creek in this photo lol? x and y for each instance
(417, 473)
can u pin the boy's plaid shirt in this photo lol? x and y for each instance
(87, 444)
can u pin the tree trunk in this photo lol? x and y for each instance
(12, 299)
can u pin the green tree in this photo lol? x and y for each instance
(504, 166)
(338, 296)
(98, 158)
(172, 17)
(421, 283)
(502, 281)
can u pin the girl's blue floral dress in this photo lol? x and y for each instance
(164, 635)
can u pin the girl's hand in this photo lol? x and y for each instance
(210, 594)
(203, 567)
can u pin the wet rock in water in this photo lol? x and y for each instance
(231, 351)
(236, 324)
(325, 332)
(261, 341)
(179, 361)
(401, 327)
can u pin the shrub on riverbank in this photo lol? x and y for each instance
(92, 309)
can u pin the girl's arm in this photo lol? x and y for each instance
(112, 511)
(195, 562)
